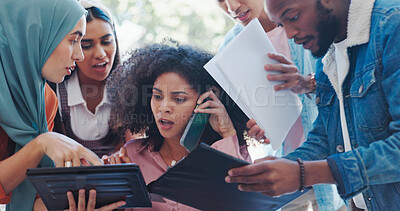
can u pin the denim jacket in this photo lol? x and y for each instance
(371, 93)
(326, 195)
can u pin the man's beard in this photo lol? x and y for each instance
(327, 27)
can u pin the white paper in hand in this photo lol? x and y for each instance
(239, 69)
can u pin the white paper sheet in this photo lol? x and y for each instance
(239, 69)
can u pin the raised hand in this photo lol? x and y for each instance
(219, 119)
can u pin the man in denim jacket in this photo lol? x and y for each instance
(325, 196)
(355, 142)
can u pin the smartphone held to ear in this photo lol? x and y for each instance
(194, 129)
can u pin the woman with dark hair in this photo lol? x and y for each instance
(84, 108)
(156, 91)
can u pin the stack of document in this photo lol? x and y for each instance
(239, 70)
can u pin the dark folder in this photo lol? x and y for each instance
(112, 183)
(199, 181)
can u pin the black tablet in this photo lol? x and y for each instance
(113, 183)
(199, 181)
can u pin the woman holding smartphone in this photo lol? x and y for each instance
(159, 87)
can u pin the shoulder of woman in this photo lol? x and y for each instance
(136, 145)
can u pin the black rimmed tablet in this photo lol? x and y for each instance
(113, 183)
(199, 181)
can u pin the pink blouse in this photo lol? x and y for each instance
(153, 166)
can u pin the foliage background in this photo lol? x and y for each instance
(196, 22)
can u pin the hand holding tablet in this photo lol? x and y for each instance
(113, 183)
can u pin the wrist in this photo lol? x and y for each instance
(228, 133)
(317, 172)
(39, 144)
(302, 174)
(311, 83)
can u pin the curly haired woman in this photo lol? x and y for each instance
(159, 87)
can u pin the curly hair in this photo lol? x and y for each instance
(130, 89)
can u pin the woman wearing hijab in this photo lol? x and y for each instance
(39, 40)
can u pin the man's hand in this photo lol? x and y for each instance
(288, 74)
(276, 176)
(270, 175)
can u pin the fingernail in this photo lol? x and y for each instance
(227, 179)
(240, 188)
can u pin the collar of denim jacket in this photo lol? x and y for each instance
(358, 33)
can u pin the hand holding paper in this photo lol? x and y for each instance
(289, 75)
(255, 131)
(239, 69)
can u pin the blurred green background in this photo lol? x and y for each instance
(196, 22)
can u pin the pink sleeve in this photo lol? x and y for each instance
(131, 148)
(230, 146)
(4, 198)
